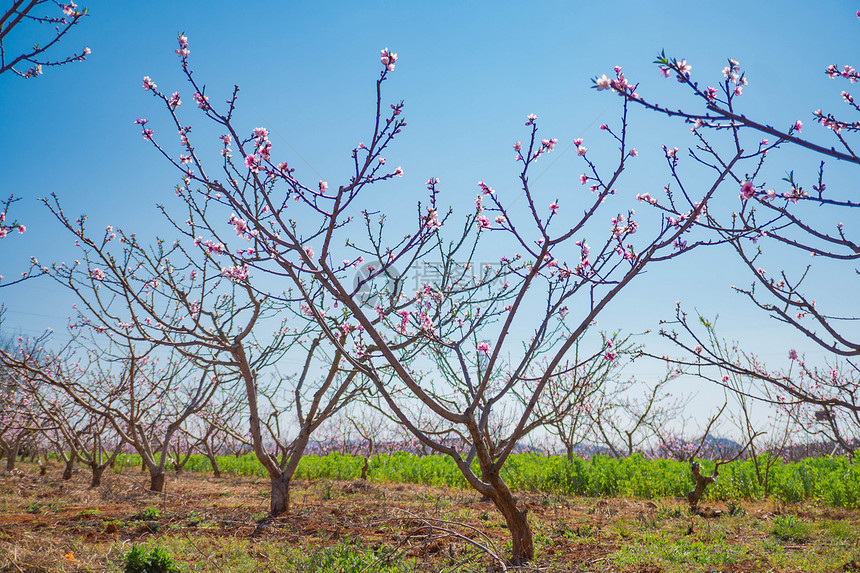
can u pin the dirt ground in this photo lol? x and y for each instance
(208, 524)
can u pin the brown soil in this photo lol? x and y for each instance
(47, 524)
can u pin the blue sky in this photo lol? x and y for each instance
(469, 73)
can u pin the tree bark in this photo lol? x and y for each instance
(10, 459)
(702, 482)
(156, 482)
(522, 550)
(96, 480)
(213, 461)
(67, 471)
(280, 502)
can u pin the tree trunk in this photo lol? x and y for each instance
(522, 550)
(213, 461)
(67, 471)
(280, 502)
(702, 482)
(10, 460)
(96, 481)
(156, 482)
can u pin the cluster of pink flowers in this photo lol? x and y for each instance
(387, 58)
(4, 229)
(647, 198)
(847, 72)
(235, 274)
(580, 150)
(830, 122)
(146, 132)
(70, 9)
(404, 321)
(431, 221)
(262, 151)
(98, 274)
(174, 101)
(183, 50)
(202, 101)
(618, 85)
(794, 194)
(241, 227)
(483, 347)
(211, 246)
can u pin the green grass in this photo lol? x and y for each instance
(832, 481)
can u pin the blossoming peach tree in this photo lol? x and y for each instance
(459, 344)
(194, 298)
(810, 213)
(21, 15)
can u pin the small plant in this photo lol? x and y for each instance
(327, 495)
(789, 528)
(148, 514)
(156, 560)
(736, 510)
(34, 507)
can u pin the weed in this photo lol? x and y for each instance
(148, 514)
(735, 509)
(789, 528)
(156, 560)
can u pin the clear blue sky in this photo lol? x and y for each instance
(469, 73)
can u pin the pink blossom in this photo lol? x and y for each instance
(398, 171)
(235, 274)
(531, 119)
(323, 186)
(252, 163)
(70, 9)
(98, 274)
(309, 251)
(602, 83)
(583, 178)
(148, 84)
(174, 101)
(388, 58)
(202, 100)
(747, 190)
(581, 150)
(483, 347)
(633, 152)
(792, 354)
(554, 207)
(798, 125)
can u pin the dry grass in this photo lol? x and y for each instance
(207, 524)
